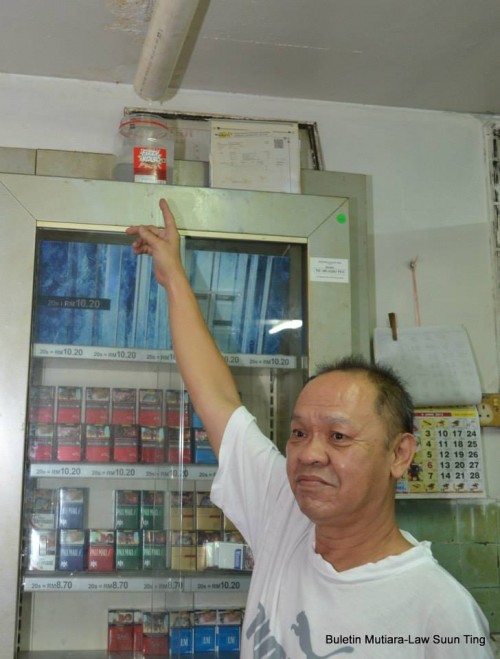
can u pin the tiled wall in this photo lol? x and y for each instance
(465, 535)
(465, 538)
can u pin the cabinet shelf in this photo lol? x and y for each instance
(164, 582)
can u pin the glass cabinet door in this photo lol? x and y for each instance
(121, 550)
(119, 531)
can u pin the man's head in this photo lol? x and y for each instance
(350, 441)
(393, 402)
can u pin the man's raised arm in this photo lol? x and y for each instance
(206, 375)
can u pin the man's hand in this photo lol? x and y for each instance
(161, 244)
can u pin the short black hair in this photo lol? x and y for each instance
(394, 403)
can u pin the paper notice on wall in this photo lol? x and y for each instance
(255, 155)
(328, 269)
(436, 363)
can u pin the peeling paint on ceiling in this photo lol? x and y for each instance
(131, 15)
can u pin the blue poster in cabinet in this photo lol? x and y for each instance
(91, 294)
(98, 295)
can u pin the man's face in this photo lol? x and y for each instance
(338, 463)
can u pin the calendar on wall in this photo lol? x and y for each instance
(449, 459)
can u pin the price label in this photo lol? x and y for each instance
(111, 584)
(218, 584)
(156, 356)
(138, 471)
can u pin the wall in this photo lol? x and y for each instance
(428, 172)
(429, 200)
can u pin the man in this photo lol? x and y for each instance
(333, 573)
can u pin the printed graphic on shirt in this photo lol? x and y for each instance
(266, 645)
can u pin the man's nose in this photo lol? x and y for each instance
(314, 450)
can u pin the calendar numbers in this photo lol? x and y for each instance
(449, 457)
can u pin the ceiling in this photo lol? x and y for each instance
(429, 54)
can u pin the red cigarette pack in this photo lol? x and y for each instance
(41, 403)
(97, 442)
(101, 550)
(150, 407)
(152, 444)
(123, 406)
(97, 401)
(69, 442)
(69, 404)
(178, 445)
(176, 408)
(41, 442)
(120, 630)
(125, 443)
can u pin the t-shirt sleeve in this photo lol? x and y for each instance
(251, 477)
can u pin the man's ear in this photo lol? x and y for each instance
(403, 450)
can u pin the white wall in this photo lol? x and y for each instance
(430, 196)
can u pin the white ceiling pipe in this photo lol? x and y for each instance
(166, 34)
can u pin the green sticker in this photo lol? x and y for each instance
(341, 218)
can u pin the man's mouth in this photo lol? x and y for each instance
(310, 480)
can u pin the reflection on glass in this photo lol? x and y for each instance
(100, 294)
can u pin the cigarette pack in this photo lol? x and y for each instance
(138, 633)
(203, 453)
(181, 511)
(155, 633)
(196, 421)
(42, 550)
(72, 507)
(226, 555)
(69, 404)
(97, 442)
(181, 632)
(71, 551)
(41, 404)
(205, 543)
(178, 445)
(152, 509)
(152, 444)
(123, 406)
(235, 537)
(42, 511)
(127, 509)
(205, 631)
(150, 407)
(154, 550)
(128, 550)
(69, 446)
(101, 550)
(125, 443)
(121, 630)
(97, 403)
(41, 442)
(208, 515)
(183, 550)
(176, 408)
(229, 631)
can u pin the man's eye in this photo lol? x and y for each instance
(299, 434)
(338, 436)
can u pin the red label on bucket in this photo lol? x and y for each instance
(150, 164)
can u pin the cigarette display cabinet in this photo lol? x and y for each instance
(114, 547)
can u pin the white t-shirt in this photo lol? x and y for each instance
(404, 606)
